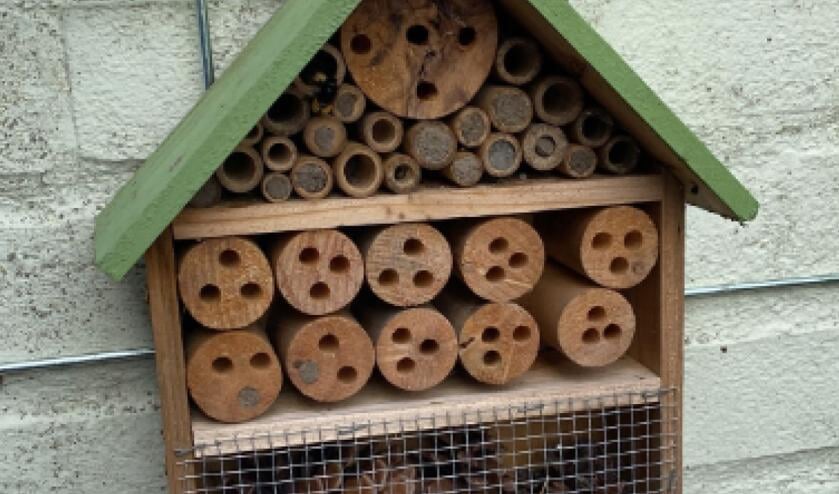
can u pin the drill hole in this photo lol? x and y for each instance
(591, 336)
(597, 314)
(495, 274)
(288, 107)
(429, 347)
(490, 335)
(401, 336)
(492, 358)
(210, 293)
(360, 170)
(222, 365)
(612, 331)
(347, 374)
(309, 255)
(250, 291)
(229, 258)
(360, 44)
(405, 365)
(383, 131)
(518, 260)
(260, 360)
(601, 241)
(466, 36)
(426, 90)
(413, 247)
(633, 240)
(521, 333)
(499, 245)
(239, 166)
(619, 265)
(319, 291)
(417, 34)
(423, 279)
(328, 343)
(339, 264)
(388, 277)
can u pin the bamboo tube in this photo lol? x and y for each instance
(233, 376)
(416, 348)
(241, 171)
(465, 170)
(328, 358)
(254, 136)
(471, 126)
(543, 146)
(557, 100)
(616, 247)
(276, 187)
(406, 264)
(358, 170)
(225, 283)
(325, 137)
(619, 156)
(501, 155)
(327, 65)
(312, 178)
(288, 115)
(498, 341)
(431, 143)
(279, 153)
(499, 259)
(208, 195)
(578, 161)
(509, 108)
(519, 61)
(592, 128)
(350, 103)
(592, 326)
(318, 271)
(382, 131)
(402, 173)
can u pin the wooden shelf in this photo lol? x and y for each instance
(429, 203)
(295, 420)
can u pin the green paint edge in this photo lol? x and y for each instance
(165, 183)
(684, 143)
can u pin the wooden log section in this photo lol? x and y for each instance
(501, 155)
(279, 153)
(499, 259)
(416, 348)
(593, 128)
(401, 54)
(590, 325)
(312, 178)
(327, 358)
(234, 376)
(254, 136)
(557, 100)
(208, 195)
(498, 341)
(358, 170)
(471, 126)
(288, 115)
(350, 104)
(431, 143)
(544, 146)
(382, 131)
(578, 161)
(465, 170)
(402, 173)
(325, 137)
(519, 61)
(615, 247)
(619, 156)
(327, 65)
(318, 271)
(509, 108)
(242, 170)
(225, 283)
(276, 187)
(406, 264)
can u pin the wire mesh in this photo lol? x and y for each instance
(616, 444)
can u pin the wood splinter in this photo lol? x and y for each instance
(288, 115)
(501, 155)
(509, 108)
(402, 173)
(325, 137)
(519, 61)
(241, 171)
(557, 100)
(431, 143)
(465, 170)
(276, 187)
(382, 131)
(544, 146)
(619, 156)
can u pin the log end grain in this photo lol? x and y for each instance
(465, 170)
(620, 155)
(557, 100)
(241, 171)
(325, 137)
(518, 61)
(276, 187)
(288, 114)
(382, 131)
(501, 155)
(431, 143)
(358, 170)
(544, 146)
(596, 328)
(312, 178)
(402, 173)
(592, 128)
(578, 161)
(279, 153)
(471, 126)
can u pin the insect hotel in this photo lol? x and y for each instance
(420, 246)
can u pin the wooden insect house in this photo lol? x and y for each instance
(420, 246)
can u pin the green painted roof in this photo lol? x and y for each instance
(169, 178)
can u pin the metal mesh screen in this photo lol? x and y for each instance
(617, 444)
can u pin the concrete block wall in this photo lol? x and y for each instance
(89, 87)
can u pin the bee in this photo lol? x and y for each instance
(325, 93)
